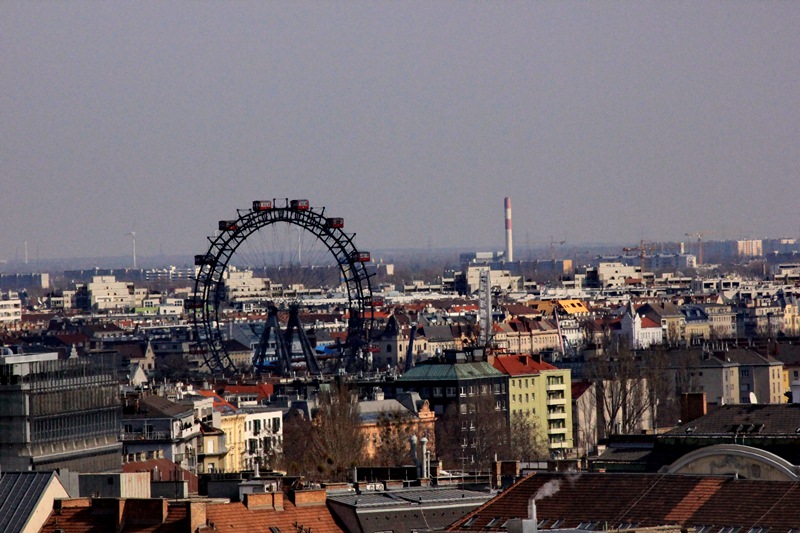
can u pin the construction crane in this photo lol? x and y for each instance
(553, 243)
(699, 235)
(642, 248)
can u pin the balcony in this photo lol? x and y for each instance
(556, 401)
(557, 386)
(557, 415)
(216, 453)
(150, 435)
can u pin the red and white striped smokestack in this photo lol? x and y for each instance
(509, 236)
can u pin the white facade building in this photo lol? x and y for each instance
(106, 293)
(242, 286)
(498, 279)
(616, 274)
(640, 331)
(10, 309)
(263, 435)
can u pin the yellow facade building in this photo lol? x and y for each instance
(543, 394)
(233, 427)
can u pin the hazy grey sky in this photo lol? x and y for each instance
(604, 121)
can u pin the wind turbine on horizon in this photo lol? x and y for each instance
(133, 238)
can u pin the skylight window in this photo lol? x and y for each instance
(494, 521)
(469, 522)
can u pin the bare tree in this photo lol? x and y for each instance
(470, 434)
(330, 445)
(394, 429)
(622, 390)
(684, 364)
(656, 366)
(449, 439)
(526, 440)
(673, 334)
(338, 443)
(585, 416)
(297, 432)
(487, 430)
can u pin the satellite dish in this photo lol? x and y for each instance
(753, 398)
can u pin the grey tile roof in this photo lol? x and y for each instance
(450, 371)
(753, 420)
(19, 494)
(417, 509)
(415, 497)
(743, 356)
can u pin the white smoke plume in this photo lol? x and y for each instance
(548, 489)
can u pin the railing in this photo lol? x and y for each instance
(151, 435)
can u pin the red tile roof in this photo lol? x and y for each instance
(644, 499)
(100, 515)
(167, 471)
(579, 387)
(520, 365)
(219, 403)
(156, 515)
(649, 323)
(263, 390)
(235, 517)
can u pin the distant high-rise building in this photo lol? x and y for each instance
(59, 413)
(749, 248)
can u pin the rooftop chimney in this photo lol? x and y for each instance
(509, 237)
(795, 387)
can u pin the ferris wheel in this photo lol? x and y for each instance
(278, 256)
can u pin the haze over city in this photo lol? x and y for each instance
(604, 121)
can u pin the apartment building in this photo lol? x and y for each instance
(722, 320)
(697, 369)
(106, 293)
(58, 413)
(542, 394)
(153, 427)
(611, 275)
(761, 376)
(262, 436)
(10, 309)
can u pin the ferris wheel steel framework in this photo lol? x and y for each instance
(209, 282)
